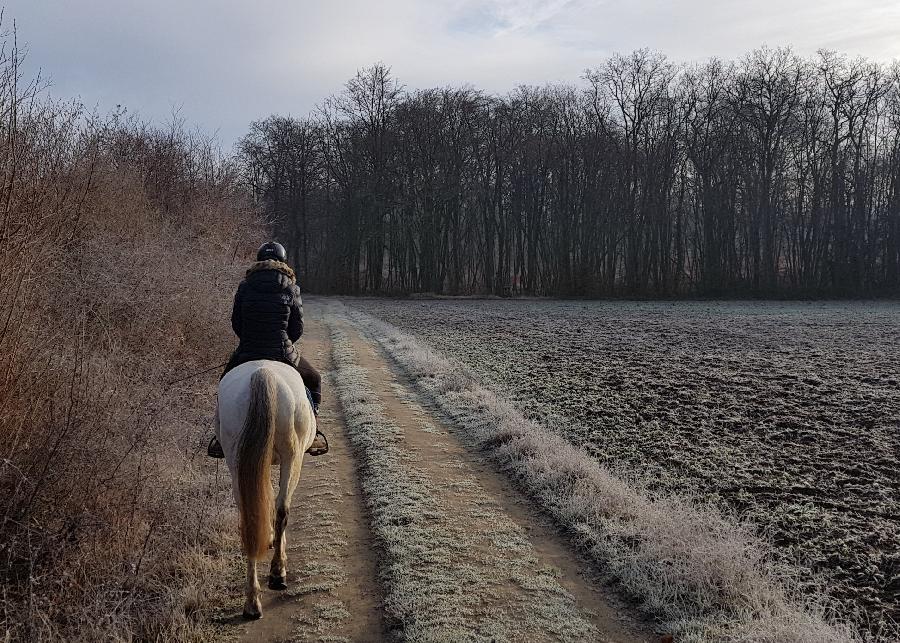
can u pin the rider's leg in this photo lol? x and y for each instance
(214, 449)
(313, 382)
(311, 378)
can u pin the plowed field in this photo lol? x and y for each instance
(787, 413)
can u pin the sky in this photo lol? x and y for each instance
(221, 65)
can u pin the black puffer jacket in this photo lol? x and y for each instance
(268, 313)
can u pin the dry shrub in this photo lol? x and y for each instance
(117, 248)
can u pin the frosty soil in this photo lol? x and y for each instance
(789, 413)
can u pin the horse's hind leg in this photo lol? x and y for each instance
(287, 483)
(252, 606)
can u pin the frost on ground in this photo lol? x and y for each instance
(786, 413)
(444, 578)
(317, 575)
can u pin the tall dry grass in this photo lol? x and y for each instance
(117, 248)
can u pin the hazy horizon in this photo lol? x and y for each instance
(221, 67)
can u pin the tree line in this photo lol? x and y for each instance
(773, 175)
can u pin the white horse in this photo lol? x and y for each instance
(263, 418)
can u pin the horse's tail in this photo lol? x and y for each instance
(254, 458)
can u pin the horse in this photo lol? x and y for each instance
(263, 417)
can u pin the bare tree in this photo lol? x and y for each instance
(773, 175)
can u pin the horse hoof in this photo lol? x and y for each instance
(277, 582)
(252, 616)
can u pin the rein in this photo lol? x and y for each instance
(197, 374)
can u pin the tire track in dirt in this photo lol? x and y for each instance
(333, 594)
(531, 585)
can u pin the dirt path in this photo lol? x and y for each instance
(332, 590)
(534, 586)
(516, 578)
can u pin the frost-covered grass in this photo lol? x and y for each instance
(441, 581)
(701, 571)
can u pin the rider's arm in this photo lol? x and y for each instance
(295, 321)
(236, 312)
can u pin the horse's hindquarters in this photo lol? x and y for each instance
(264, 418)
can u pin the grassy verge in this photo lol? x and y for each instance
(702, 573)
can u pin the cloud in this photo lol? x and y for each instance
(503, 17)
(228, 63)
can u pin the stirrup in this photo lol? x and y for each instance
(214, 450)
(314, 451)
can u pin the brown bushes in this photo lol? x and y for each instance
(117, 247)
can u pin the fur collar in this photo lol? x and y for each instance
(271, 264)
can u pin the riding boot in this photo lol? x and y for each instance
(320, 442)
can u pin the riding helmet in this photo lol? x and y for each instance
(271, 250)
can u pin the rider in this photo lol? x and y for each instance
(268, 318)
